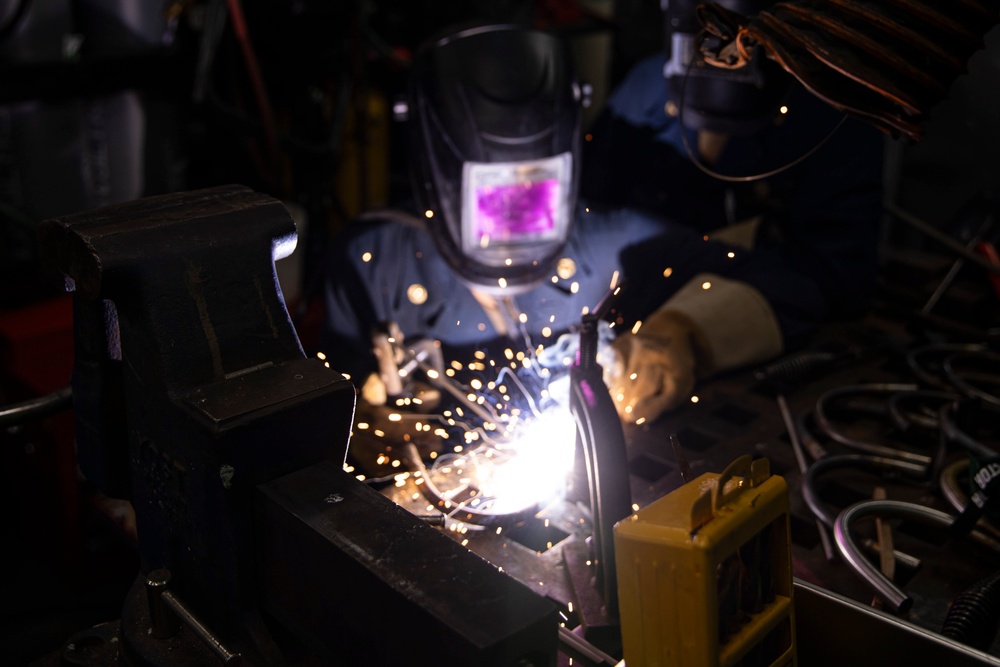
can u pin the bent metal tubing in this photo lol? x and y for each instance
(894, 597)
(874, 464)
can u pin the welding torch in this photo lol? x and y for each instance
(601, 442)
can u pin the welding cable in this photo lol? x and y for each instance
(893, 596)
(800, 367)
(810, 481)
(920, 359)
(829, 427)
(987, 371)
(951, 489)
(974, 616)
(36, 408)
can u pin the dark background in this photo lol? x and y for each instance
(103, 101)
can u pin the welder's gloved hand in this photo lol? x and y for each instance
(710, 325)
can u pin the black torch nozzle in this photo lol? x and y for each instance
(587, 354)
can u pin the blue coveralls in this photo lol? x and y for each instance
(649, 211)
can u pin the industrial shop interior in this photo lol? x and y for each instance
(534, 333)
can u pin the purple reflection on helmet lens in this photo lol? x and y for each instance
(508, 212)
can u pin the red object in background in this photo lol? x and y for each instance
(550, 14)
(41, 489)
(989, 251)
(36, 347)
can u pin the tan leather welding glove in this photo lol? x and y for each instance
(710, 325)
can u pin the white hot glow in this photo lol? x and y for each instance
(523, 473)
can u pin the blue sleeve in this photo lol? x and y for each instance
(815, 257)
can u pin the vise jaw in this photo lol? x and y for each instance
(190, 385)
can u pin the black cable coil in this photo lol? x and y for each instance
(974, 615)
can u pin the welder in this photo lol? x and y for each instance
(745, 157)
(498, 256)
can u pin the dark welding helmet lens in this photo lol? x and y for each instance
(496, 115)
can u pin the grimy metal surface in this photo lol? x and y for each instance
(739, 414)
(329, 544)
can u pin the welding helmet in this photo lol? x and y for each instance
(495, 129)
(735, 101)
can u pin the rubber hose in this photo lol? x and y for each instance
(974, 616)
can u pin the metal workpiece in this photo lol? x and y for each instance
(362, 581)
(874, 464)
(828, 423)
(975, 374)
(927, 361)
(917, 411)
(894, 597)
(972, 425)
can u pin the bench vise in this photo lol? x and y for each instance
(195, 401)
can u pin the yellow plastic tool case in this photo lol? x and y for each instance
(705, 573)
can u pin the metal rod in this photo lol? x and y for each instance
(166, 611)
(800, 458)
(225, 655)
(903, 559)
(956, 267)
(580, 649)
(36, 408)
(940, 237)
(886, 557)
(682, 463)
